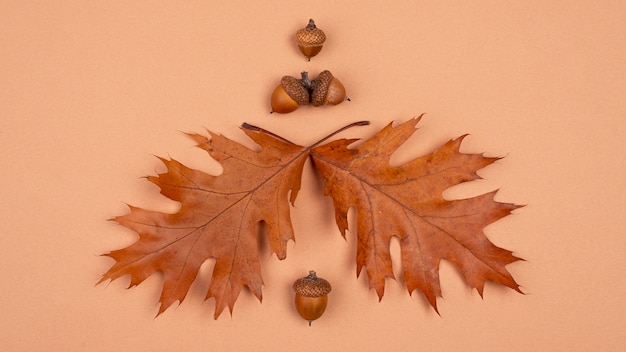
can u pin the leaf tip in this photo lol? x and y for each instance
(102, 279)
(380, 292)
(518, 206)
(419, 118)
(198, 138)
(519, 290)
(281, 255)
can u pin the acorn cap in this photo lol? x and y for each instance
(311, 286)
(321, 84)
(295, 89)
(310, 35)
(327, 90)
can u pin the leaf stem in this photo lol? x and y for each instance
(254, 128)
(354, 124)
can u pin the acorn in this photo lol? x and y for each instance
(327, 90)
(311, 296)
(290, 94)
(310, 40)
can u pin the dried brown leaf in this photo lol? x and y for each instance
(406, 201)
(218, 218)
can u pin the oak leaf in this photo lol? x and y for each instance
(406, 201)
(218, 218)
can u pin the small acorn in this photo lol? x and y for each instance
(310, 40)
(327, 90)
(289, 95)
(311, 296)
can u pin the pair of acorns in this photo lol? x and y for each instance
(293, 92)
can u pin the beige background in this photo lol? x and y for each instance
(91, 90)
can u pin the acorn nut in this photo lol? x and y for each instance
(311, 296)
(289, 95)
(310, 40)
(327, 90)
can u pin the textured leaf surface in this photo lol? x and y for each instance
(218, 218)
(407, 202)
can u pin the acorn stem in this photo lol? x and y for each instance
(311, 24)
(306, 82)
